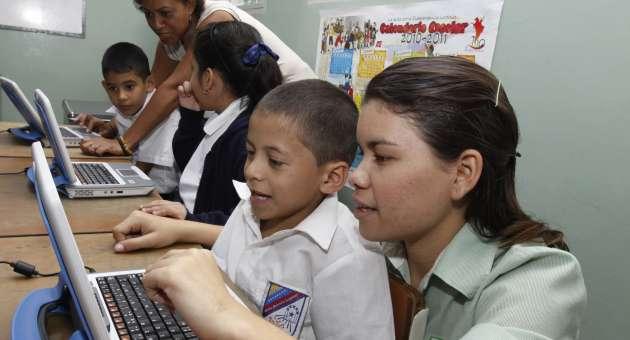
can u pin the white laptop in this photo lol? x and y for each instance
(72, 135)
(110, 305)
(89, 179)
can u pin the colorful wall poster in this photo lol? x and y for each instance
(355, 45)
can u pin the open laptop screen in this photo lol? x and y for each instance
(23, 106)
(65, 247)
(54, 135)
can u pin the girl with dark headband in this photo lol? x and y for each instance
(232, 70)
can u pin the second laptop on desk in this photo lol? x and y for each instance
(89, 179)
(72, 135)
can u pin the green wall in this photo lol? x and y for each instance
(566, 68)
(65, 67)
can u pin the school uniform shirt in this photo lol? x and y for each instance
(477, 290)
(155, 148)
(318, 280)
(212, 153)
(291, 65)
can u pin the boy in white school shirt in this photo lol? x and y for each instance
(292, 247)
(129, 87)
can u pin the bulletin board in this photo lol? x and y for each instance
(354, 45)
(61, 17)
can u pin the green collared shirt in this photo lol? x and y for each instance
(477, 290)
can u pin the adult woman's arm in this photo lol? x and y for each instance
(163, 66)
(164, 101)
(167, 75)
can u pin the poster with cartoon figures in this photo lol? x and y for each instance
(354, 45)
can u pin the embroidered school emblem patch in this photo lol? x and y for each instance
(285, 308)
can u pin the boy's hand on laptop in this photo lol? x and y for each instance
(141, 230)
(90, 122)
(166, 209)
(186, 97)
(101, 146)
(190, 282)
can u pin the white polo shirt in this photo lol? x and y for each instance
(155, 148)
(319, 280)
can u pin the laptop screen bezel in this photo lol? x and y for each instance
(60, 151)
(24, 107)
(65, 248)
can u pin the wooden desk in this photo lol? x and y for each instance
(10, 146)
(18, 207)
(19, 213)
(96, 250)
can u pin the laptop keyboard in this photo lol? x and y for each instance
(93, 173)
(80, 130)
(67, 134)
(135, 316)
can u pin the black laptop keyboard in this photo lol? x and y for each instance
(135, 316)
(93, 173)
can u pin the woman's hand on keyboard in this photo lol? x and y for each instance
(101, 146)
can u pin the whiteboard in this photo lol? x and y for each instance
(63, 17)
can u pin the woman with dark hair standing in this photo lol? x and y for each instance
(176, 22)
(436, 184)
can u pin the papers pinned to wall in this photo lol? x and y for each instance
(355, 45)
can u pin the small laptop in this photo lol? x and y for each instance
(111, 305)
(72, 135)
(98, 109)
(89, 179)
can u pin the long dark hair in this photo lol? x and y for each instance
(453, 103)
(223, 46)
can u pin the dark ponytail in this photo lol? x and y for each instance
(235, 49)
(453, 103)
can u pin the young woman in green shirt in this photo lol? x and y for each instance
(437, 185)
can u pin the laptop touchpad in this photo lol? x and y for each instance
(127, 172)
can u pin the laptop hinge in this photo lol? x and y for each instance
(101, 308)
